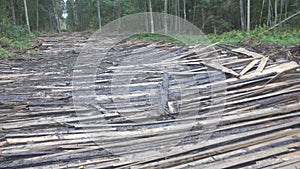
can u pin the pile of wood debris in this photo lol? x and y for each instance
(258, 126)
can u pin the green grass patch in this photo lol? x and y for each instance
(179, 39)
(279, 37)
(286, 37)
(155, 37)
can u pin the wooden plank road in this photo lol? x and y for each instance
(176, 112)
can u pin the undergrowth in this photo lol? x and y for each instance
(287, 37)
(13, 39)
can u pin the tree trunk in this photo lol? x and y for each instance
(175, 13)
(56, 16)
(275, 11)
(37, 15)
(184, 10)
(195, 8)
(269, 13)
(99, 15)
(50, 20)
(165, 18)
(178, 9)
(203, 18)
(151, 16)
(13, 13)
(75, 18)
(281, 9)
(286, 8)
(146, 19)
(286, 19)
(248, 15)
(242, 15)
(26, 15)
(261, 12)
(118, 13)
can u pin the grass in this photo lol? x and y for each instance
(179, 39)
(13, 39)
(155, 37)
(278, 37)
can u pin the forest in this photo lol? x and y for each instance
(212, 16)
(275, 21)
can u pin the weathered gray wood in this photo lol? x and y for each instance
(40, 127)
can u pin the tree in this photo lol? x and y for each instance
(261, 12)
(26, 15)
(13, 13)
(269, 13)
(248, 15)
(37, 15)
(242, 14)
(165, 18)
(99, 15)
(276, 11)
(151, 16)
(57, 18)
(184, 9)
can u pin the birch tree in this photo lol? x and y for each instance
(151, 16)
(248, 15)
(275, 11)
(184, 9)
(26, 15)
(242, 14)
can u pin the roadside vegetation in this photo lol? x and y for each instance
(14, 40)
(287, 37)
(260, 35)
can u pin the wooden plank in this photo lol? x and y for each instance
(243, 159)
(218, 66)
(262, 64)
(168, 159)
(247, 52)
(249, 66)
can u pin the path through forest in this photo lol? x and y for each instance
(259, 126)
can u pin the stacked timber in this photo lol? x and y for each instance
(185, 107)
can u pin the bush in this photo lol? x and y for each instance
(5, 42)
(15, 32)
(4, 53)
(13, 38)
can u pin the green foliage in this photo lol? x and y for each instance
(155, 37)
(20, 44)
(260, 34)
(5, 42)
(5, 53)
(13, 38)
(179, 39)
(278, 37)
(15, 32)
